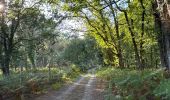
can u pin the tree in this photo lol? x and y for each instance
(21, 23)
(8, 31)
(110, 22)
(162, 24)
(83, 53)
(100, 26)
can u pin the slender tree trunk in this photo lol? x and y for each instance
(130, 27)
(139, 64)
(1, 51)
(5, 66)
(119, 55)
(7, 53)
(151, 58)
(165, 41)
(142, 33)
(8, 48)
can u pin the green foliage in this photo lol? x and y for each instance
(132, 84)
(37, 81)
(56, 86)
(99, 16)
(163, 89)
(30, 40)
(17, 80)
(83, 53)
(73, 73)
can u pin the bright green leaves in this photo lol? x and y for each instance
(100, 19)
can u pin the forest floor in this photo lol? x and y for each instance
(87, 87)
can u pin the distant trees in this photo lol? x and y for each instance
(24, 30)
(84, 53)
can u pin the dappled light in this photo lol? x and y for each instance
(1, 7)
(84, 50)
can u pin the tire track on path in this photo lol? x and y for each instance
(88, 87)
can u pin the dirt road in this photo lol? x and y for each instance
(87, 87)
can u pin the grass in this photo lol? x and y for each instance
(126, 84)
(15, 80)
(38, 80)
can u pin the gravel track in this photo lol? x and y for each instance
(87, 87)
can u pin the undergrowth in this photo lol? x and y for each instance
(126, 84)
(35, 82)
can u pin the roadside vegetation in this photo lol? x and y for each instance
(45, 43)
(27, 84)
(127, 84)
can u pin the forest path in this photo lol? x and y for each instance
(87, 87)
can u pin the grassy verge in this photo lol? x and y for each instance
(35, 82)
(136, 85)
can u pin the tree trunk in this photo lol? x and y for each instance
(7, 55)
(5, 65)
(162, 22)
(119, 46)
(130, 26)
(116, 23)
(1, 51)
(142, 33)
(8, 37)
(151, 58)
